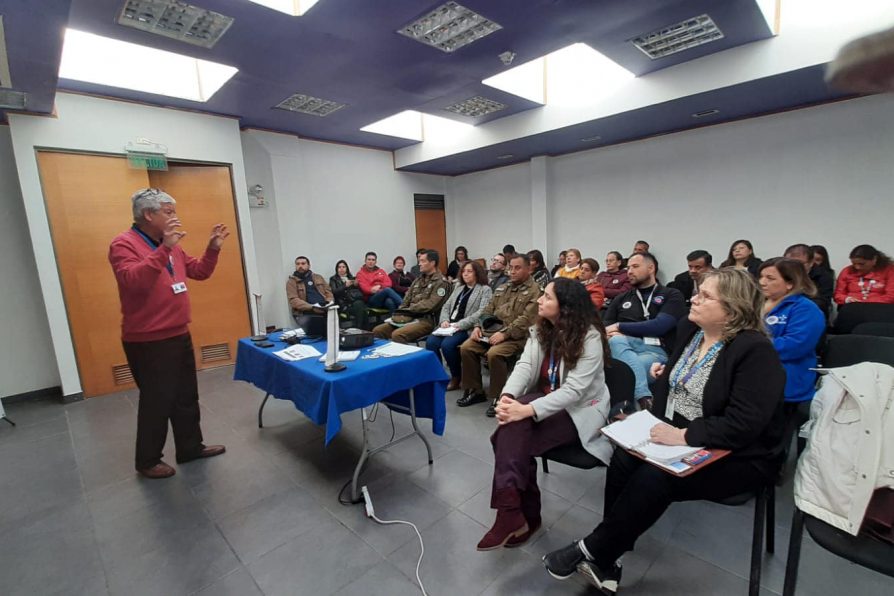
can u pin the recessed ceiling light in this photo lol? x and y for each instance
(295, 8)
(506, 156)
(678, 37)
(590, 139)
(175, 19)
(405, 125)
(475, 107)
(308, 104)
(704, 113)
(105, 61)
(449, 27)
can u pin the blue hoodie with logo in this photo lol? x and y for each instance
(796, 325)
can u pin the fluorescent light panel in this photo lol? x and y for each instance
(12, 100)
(678, 37)
(295, 8)
(175, 19)
(105, 61)
(308, 104)
(574, 75)
(475, 107)
(405, 125)
(450, 27)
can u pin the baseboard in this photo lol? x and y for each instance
(67, 399)
(47, 393)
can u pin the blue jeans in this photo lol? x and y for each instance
(449, 348)
(634, 352)
(385, 298)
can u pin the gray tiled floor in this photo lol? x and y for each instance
(264, 518)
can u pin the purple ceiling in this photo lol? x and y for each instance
(348, 51)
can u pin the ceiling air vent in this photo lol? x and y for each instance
(308, 104)
(175, 19)
(475, 107)
(449, 27)
(5, 80)
(122, 375)
(216, 352)
(678, 37)
(12, 100)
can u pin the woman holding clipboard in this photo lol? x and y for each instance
(721, 388)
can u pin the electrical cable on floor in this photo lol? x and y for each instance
(370, 512)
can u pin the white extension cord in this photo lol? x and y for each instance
(371, 513)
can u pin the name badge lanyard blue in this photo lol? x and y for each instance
(676, 381)
(154, 245)
(553, 370)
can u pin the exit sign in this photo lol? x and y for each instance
(147, 161)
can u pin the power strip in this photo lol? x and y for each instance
(371, 513)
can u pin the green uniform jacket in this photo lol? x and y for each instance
(426, 296)
(516, 306)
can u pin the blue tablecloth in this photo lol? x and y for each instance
(323, 396)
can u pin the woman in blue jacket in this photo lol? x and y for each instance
(796, 325)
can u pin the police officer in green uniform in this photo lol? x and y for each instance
(418, 313)
(504, 322)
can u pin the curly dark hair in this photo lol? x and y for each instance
(576, 317)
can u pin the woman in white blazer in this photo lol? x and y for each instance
(555, 396)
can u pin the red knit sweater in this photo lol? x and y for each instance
(150, 308)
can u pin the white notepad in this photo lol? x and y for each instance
(445, 331)
(396, 349)
(345, 356)
(633, 433)
(297, 352)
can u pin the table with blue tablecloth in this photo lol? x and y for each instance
(414, 384)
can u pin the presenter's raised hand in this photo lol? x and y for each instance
(219, 233)
(172, 234)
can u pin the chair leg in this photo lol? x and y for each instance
(794, 554)
(771, 518)
(545, 465)
(757, 542)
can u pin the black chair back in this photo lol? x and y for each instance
(851, 315)
(879, 329)
(620, 381)
(845, 350)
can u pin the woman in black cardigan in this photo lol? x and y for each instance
(721, 388)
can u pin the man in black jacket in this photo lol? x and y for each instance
(686, 283)
(822, 279)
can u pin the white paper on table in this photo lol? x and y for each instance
(298, 352)
(445, 331)
(346, 356)
(396, 349)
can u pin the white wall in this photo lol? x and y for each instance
(27, 363)
(327, 202)
(820, 175)
(98, 125)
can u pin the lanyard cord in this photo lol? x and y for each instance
(679, 383)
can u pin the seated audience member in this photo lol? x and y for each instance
(571, 270)
(376, 285)
(414, 270)
(741, 256)
(308, 292)
(539, 271)
(821, 259)
(795, 324)
(421, 305)
(559, 263)
(722, 388)
(508, 252)
(461, 311)
(348, 295)
(869, 277)
(822, 279)
(555, 396)
(400, 279)
(699, 262)
(460, 256)
(496, 275)
(614, 278)
(641, 323)
(504, 327)
(588, 270)
(640, 247)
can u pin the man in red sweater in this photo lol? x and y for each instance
(151, 270)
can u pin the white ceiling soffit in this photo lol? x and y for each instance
(810, 33)
(5, 80)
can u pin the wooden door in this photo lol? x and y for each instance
(88, 203)
(220, 311)
(431, 226)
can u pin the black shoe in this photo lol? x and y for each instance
(562, 563)
(607, 581)
(470, 398)
(491, 410)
